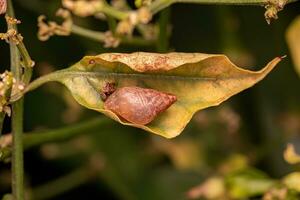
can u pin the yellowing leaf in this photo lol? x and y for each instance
(292, 181)
(247, 183)
(212, 188)
(290, 155)
(198, 81)
(293, 41)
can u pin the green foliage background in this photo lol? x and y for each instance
(134, 167)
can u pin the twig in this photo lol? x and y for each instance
(17, 121)
(100, 37)
(159, 5)
(163, 36)
(63, 184)
(113, 12)
(38, 138)
(27, 61)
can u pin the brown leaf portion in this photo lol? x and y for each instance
(144, 61)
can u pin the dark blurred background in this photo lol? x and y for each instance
(117, 162)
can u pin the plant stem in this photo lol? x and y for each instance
(27, 61)
(100, 37)
(2, 116)
(159, 5)
(37, 138)
(113, 12)
(163, 37)
(63, 184)
(17, 122)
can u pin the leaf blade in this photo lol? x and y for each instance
(198, 81)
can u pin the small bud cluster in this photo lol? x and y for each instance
(110, 40)
(6, 84)
(100, 9)
(141, 16)
(11, 35)
(83, 8)
(272, 8)
(46, 30)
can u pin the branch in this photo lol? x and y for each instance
(64, 184)
(27, 61)
(17, 121)
(100, 37)
(38, 138)
(113, 12)
(41, 137)
(159, 5)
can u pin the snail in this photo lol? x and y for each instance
(138, 105)
(3, 6)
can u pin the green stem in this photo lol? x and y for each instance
(100, 37)
(17, 122)
(63, 184)
(38, 138)
(2, 116)
(27, 61)
(111, 11)
(163, 37)
(159, 5)
(41, 137)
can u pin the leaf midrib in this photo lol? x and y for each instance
(145, 75)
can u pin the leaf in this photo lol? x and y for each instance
(293, 41)
(292, 181)
(290, 155)
(198, 81)
(247, 183)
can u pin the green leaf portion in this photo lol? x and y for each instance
(248, 183)
(198, 80)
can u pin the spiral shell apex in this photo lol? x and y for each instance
(3, 6)
(138, 105)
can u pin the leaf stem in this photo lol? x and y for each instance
(159, 5)
(17, 122)
(111, 11)
(2, 116)
(38, 138)
(163, 36)
(63, 184)
(27, 61)
(100, 37)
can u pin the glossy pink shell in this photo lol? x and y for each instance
(138, 105)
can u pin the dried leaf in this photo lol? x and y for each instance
(293, 41)
(197, 80)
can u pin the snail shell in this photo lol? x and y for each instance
(3, 6)
(138, 105)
